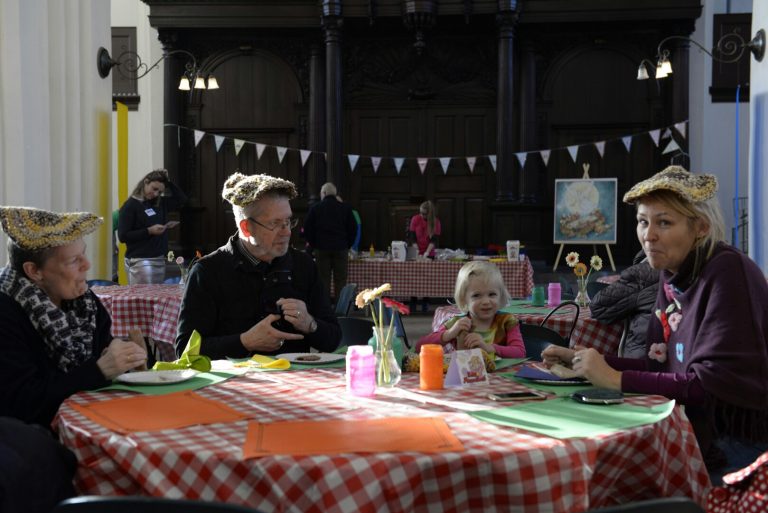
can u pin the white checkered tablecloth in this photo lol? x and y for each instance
(153, 309)
(431, 278)
(588, 332)
(501, 469)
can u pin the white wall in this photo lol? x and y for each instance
(145, 126)
(758, 163)
(54, 111)
(712, 126)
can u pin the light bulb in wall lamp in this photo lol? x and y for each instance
(199, 83)
(184, 84)
(212, 83)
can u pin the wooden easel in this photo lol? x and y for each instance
(585, 176)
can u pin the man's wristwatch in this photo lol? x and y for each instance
(313, 326)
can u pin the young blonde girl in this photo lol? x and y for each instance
(480, 292)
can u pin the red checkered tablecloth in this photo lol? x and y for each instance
(154, 309)
(501, 469)
(431, 278)
(588, 332)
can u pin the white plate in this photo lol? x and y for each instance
(311, 358)
(165, 377)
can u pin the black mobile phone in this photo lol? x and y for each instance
(598, 396)
(517, 396)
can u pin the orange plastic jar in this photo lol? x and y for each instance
(431, 367)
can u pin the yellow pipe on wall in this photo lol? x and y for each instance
(122, 179)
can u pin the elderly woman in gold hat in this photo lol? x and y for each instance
(255, 294)
(55, 334)
(707, 342)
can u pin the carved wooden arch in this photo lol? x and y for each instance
(213, 61)
(565, 59)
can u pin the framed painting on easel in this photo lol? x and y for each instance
(585, 211)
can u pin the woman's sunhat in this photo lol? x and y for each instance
(34, 229)
(692, 187)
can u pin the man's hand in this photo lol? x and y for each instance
(263, 337)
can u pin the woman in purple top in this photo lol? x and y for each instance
(706, 340)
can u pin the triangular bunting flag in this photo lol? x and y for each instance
(655, 136)
(399, 164)
(281, 151)
(492, 158)
(422, 164)
(219, 139)
(600, 148)
(627, 142)
(353, 161)
(672, 146)
(545, 156)
(375, 161)
(573, 151)
(260, 150)
(198, 136)
(667, 133)
(680, 127)
(238, 146)
(304, 156)
(444, 163)
(521, 157)
(471, 163)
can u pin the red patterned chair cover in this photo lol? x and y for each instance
(745, 491)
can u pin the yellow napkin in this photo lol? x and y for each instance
(190, 358)
(259, 361)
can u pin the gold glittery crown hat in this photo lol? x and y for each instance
(241, 190)
(33, 229)
(694, 188)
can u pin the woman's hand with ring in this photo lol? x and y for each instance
(592, 365)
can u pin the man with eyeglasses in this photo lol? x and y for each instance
(330, 228)
(256, 294)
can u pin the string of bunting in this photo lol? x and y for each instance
(657, 136)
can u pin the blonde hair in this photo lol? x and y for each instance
(485, 271)
(431, 216)
(708, 211)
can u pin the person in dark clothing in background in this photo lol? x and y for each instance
(143, 224)
(631, 297)
(330, 228)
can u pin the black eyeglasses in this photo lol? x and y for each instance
(289, 224)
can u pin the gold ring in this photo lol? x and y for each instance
(298, 313)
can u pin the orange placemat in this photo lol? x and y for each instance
(155, 413)
(428, 434)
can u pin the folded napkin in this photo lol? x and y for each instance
(259, 361)
(190, 358)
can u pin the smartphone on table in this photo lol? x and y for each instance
(517, 396)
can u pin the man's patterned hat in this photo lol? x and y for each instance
(694, 188)
(241, 190)
(34, 229)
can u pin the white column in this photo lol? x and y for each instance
(758, 147)
(55, 111)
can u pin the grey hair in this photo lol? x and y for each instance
(328, 189)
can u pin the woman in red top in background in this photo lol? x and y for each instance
(423, 232)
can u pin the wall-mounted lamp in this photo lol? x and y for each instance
(130, 65)
(728, 48)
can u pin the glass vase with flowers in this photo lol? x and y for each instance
(582, 274)
(184, 269)
(388, 371)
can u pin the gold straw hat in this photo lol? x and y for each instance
(33, 229)
(692, 187)
(241, 190)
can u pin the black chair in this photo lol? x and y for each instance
(666, 505)
(593, 287)
(129, 504)
(355, 331)
(537, 338)
(101, 283)
(345, 299)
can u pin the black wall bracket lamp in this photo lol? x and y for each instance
(130, 65)
(728, 48)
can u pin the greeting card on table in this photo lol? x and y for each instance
(467, 367)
